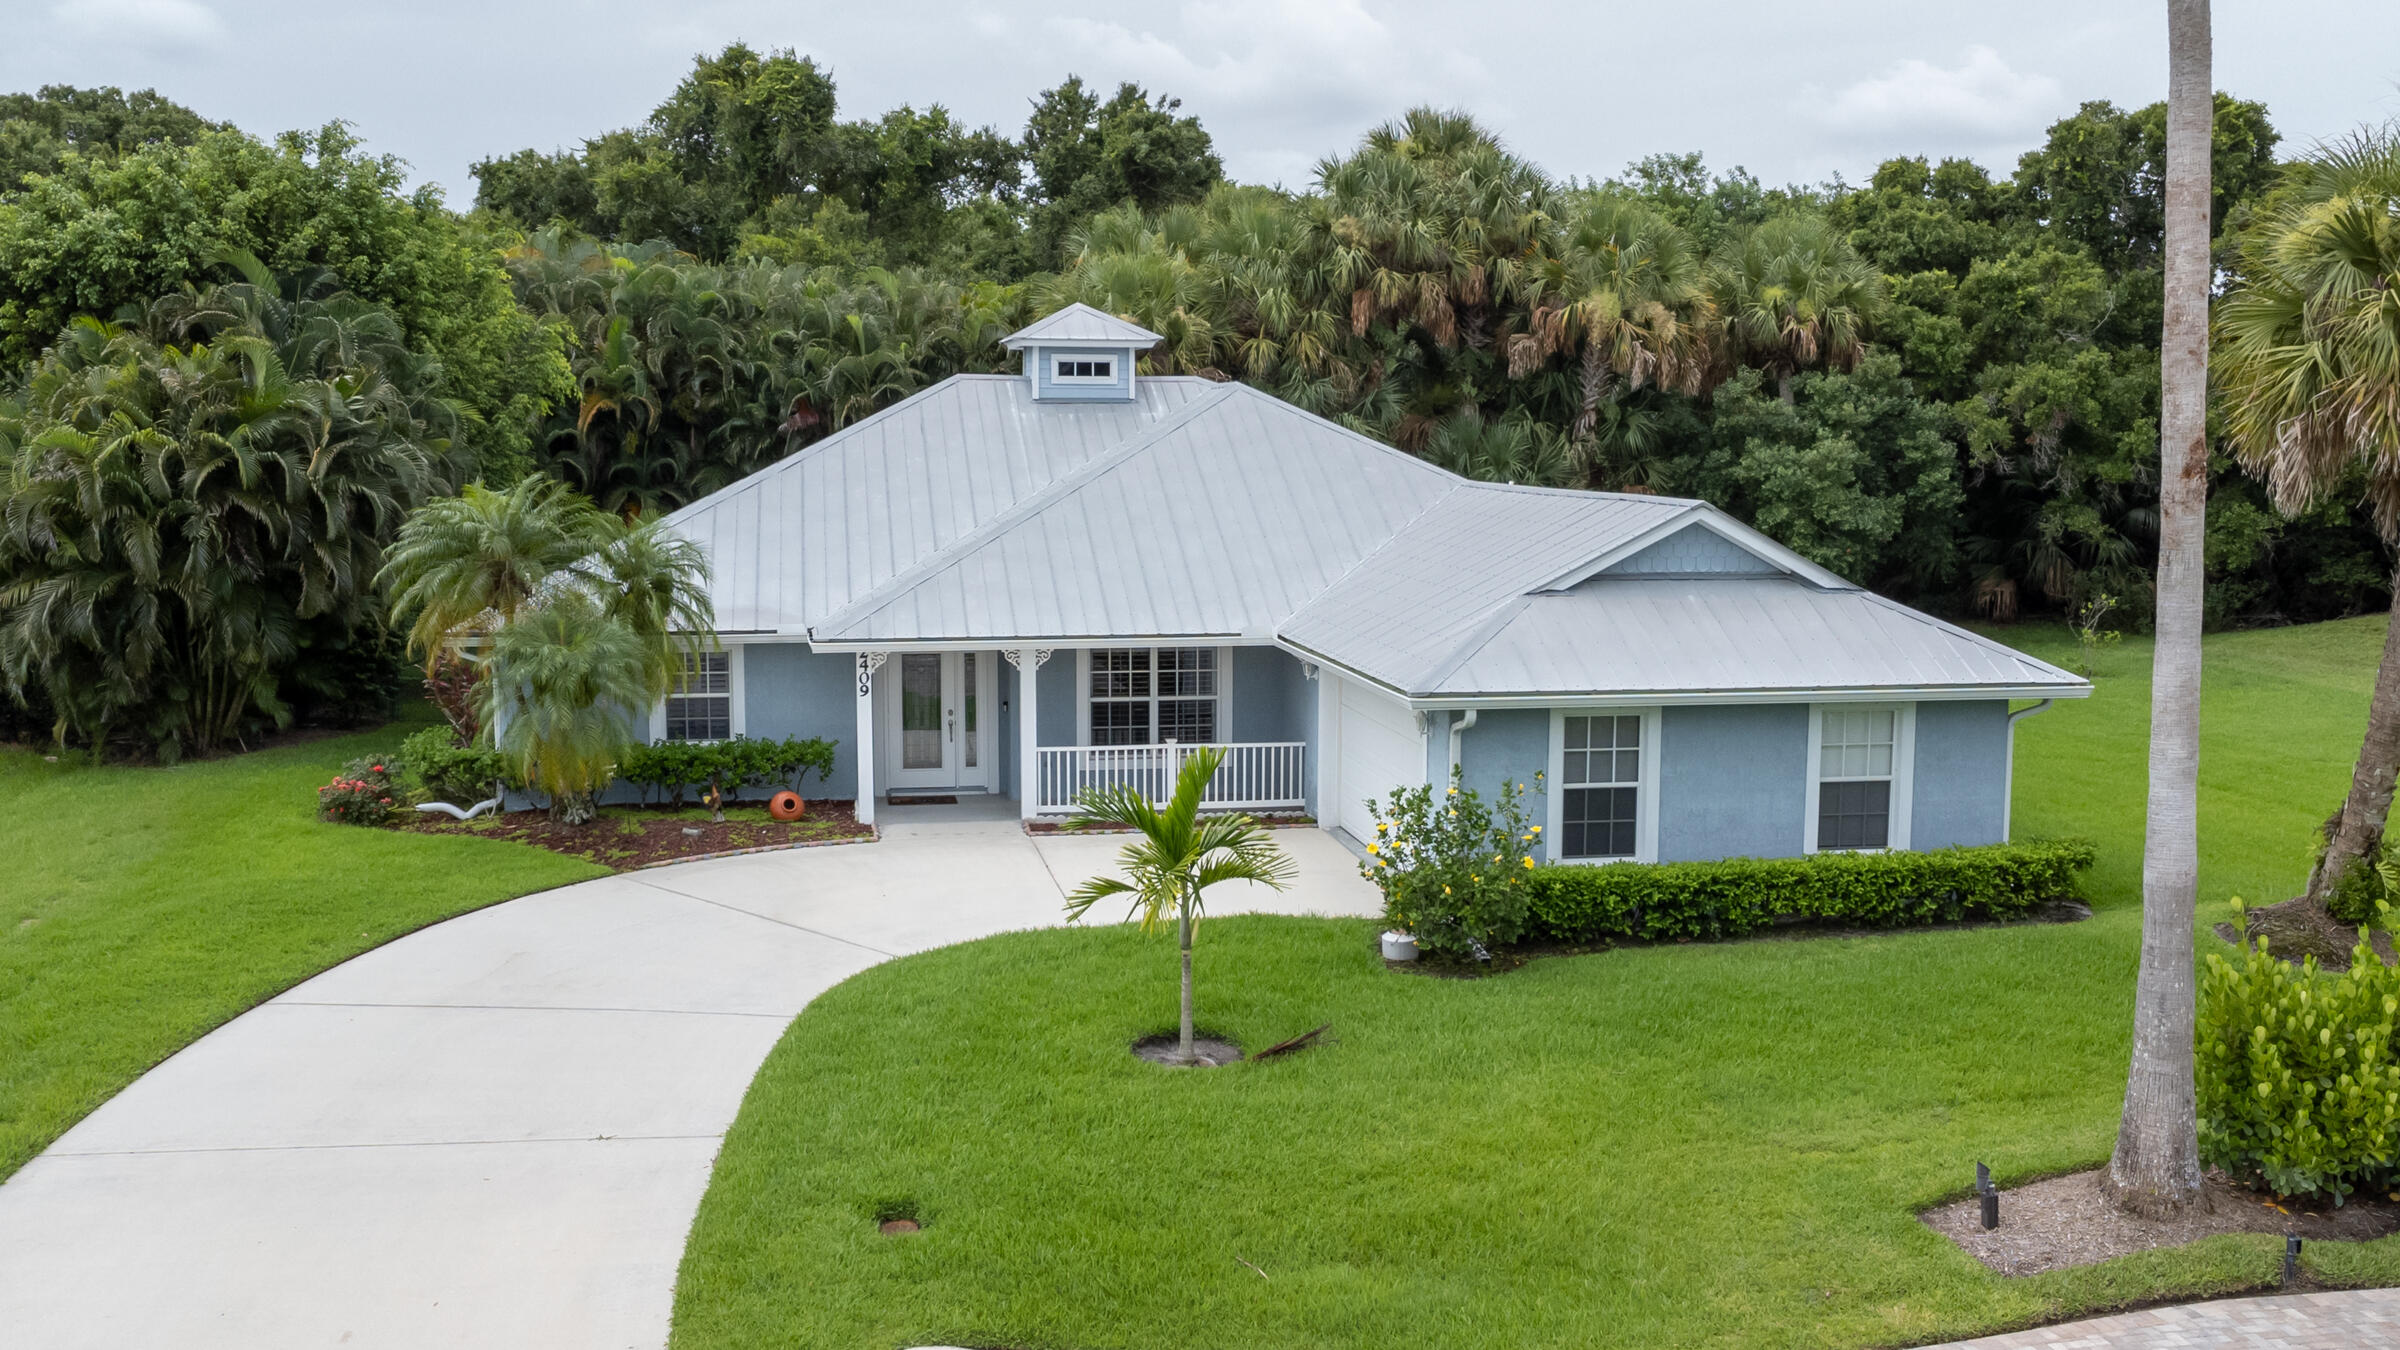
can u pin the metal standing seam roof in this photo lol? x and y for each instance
(1712, 635)
(1081, 323)
(806, 535)
(1221, 522)
(973, 513)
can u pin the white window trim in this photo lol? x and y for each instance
(736, 696)
(1083, 687)
(1113, 359)
(1904, 772)
(1645, 796)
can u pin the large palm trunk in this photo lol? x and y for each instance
(2357, 833)
(2156, 1168)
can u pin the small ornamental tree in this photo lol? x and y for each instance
(1454, 869)
(1177, 855)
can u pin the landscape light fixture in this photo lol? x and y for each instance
(1990, 1194)
(2291, 1257)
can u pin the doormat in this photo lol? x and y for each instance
(896, 799)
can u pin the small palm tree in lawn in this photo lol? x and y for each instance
(1178, 856)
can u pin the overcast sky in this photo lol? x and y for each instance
(1794, 92)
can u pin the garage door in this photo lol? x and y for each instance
(1380, 750)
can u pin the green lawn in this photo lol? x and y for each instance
(141, 907)
(1696, 1145)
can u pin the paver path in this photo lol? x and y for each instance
(2353, 1319)
(495, 1132)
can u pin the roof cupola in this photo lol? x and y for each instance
(1080, 355)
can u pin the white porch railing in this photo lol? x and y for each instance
(1256, 775)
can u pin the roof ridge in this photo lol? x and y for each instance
(1020, 510)
(1494, 623)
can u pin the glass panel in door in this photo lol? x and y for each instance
(966, 689)
(921, 710)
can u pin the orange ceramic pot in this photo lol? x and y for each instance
(786, 805)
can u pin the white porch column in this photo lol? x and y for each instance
(1028, 661)
(867, 662)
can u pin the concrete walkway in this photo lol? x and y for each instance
(495, 1132)
(2355, 1318)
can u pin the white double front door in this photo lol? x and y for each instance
(937, 727)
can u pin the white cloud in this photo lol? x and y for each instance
(1273, 76)
(145, 25)
(1982, 98)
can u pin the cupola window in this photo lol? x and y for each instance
(1084, 368)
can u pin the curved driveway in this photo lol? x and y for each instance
(495, 1132)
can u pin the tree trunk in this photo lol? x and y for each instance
(1784, 390)
(1184, 1030)
(2156, 1168)
(2358, 831)
(574, 808)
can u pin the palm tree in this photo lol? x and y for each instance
(1178, 856)
(1793, 295)
(2155, 1170)
(472, 561)
(574, 675)
(1626, 290)
(2310, 369)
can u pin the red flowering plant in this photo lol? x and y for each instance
(361, 794)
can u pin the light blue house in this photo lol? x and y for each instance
(1028, 584)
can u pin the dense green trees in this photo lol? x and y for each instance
(1941, 381)
(195, 506)
(104, 233)
(746, 159)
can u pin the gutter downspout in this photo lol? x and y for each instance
(2008, 780)
(1458, 731)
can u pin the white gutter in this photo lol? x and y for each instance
(2008, 780)
(1458, 731)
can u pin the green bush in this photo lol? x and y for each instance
(2299, 1079)
(1453, 869)
(441, 770)
(1668, 901)
(667, 769)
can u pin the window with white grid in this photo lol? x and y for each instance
(1149, 695)
(1600, 782)
(1858, 751)
(700, 706)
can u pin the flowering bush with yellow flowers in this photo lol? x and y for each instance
(1453, 868)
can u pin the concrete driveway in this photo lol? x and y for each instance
(495, 1132)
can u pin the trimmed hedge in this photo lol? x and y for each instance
(1667, 901)
(669, 768)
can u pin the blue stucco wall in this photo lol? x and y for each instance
(1047, 387)
(1505, 745)
(1961, 790)
(1056, 704)
(1273, 700)
(789, 690)
(1732, 782)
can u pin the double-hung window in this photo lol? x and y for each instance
(1859, 776)
(700, 705)
(1149, 695)
(1603, 777)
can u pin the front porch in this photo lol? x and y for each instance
(1043, 725)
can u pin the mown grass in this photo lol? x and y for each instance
(1696, 1145)
(142, 907)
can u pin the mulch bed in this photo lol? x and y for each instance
(2068, 1221)
(626, 840)
(1283, 822)
(2296, 930)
